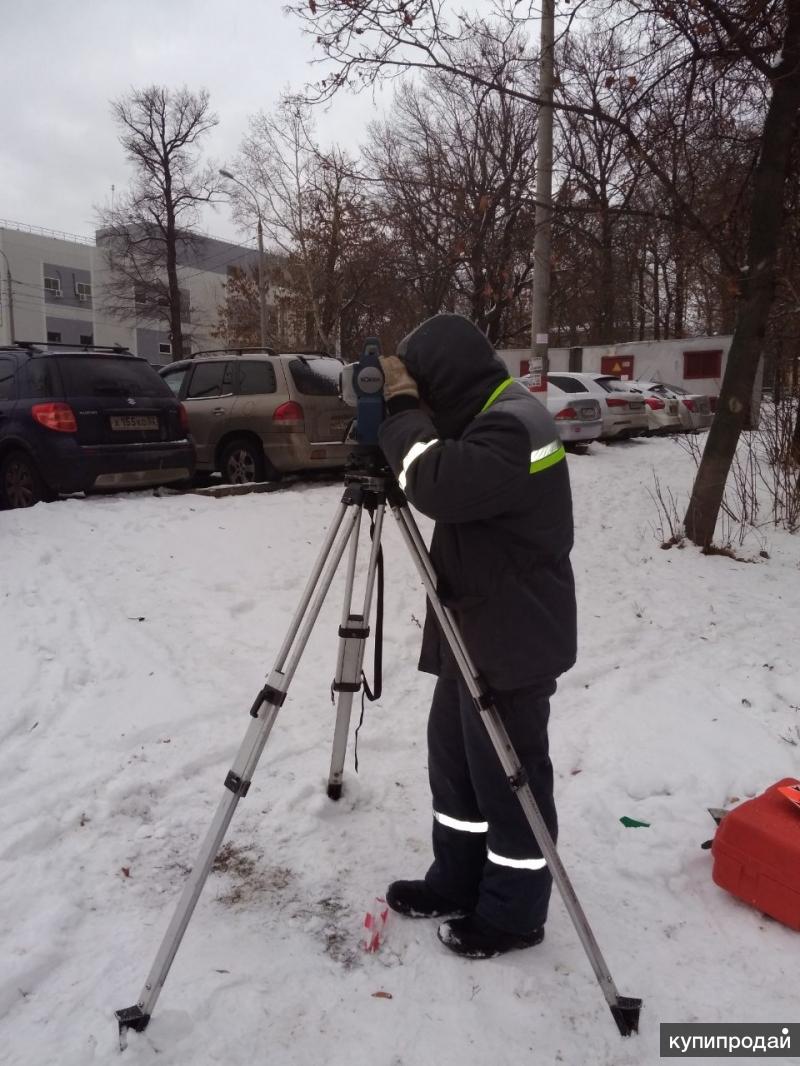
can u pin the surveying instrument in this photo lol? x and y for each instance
(369, 486)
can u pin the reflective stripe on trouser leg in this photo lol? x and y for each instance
(459, 824)
(413, 453)
(549, 455)
(515, 864)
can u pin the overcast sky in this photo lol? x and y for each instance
(64, 60)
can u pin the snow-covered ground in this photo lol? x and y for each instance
(135, 633)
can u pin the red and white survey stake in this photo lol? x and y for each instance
(375, 924)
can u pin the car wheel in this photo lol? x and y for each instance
(243, 461)
(21, 484)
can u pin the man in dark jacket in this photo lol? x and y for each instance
(475, 451)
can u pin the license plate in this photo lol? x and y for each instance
(129, 422)
(672, 408)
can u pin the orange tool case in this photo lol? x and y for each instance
(756, 852)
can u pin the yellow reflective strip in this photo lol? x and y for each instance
(414, 452)
(500, 388)
(517, 864)
(542, 458)
(456, 823)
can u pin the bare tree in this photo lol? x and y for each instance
(144, 232)
(313, 212)
(456, 166)
(723, 45)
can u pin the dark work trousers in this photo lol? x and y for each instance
(480, 866)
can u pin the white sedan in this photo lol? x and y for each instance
(663, 410)
(624, 413)
(694, 408)
(579, 421)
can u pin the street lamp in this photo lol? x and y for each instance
(10, 296)
(262, 299)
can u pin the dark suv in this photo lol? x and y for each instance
(76, 419)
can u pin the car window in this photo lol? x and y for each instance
(175, 378)
(39, 380)
(100, 375)
(256, 377)
(567, 384)
(612, 384)
(316, 375)
(211, 379)
(675, 388)
(7, 388)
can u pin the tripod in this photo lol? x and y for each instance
(369, 485)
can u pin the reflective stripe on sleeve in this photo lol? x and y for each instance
(414, 452)
(456, 823)
(542, 458)
(517, 864)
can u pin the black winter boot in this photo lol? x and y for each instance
(475, 938)
(415, 900)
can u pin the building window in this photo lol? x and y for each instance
(87, 338)
(83, 290)
(53, 336)
(53, 286)
(702, 364)
(165, 348)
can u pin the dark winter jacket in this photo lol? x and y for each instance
(488, 466)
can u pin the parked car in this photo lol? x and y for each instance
(579, 421)
(75, 420)
(696, 410)
(257, 414)
(624, 413)
(663, 411)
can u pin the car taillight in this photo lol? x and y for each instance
(654, 403)
(57, 416)
(616, 402)
(567, 412)
(289, 414)
(183, 418)
(689, 404)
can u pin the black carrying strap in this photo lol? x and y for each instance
(373, 693)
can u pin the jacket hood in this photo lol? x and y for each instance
(455, 368)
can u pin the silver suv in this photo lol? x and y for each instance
(254, 415)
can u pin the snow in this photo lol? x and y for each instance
(136, 632)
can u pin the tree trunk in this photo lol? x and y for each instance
(758, 287)
(680, 283)
(608, 312)
(794, 447)
(656, 297)
(174, 290)
(640, 294)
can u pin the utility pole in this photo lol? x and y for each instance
(540, 304)
(10, 298)
(262, 296)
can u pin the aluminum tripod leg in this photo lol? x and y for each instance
(624, 1008)
(353, 633)
(263, 713)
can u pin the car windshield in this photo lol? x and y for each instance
(316, 375)
(98, 375)
(566, 384)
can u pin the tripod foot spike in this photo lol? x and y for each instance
(626, 1014)
(335, 792)
(130, 1018)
